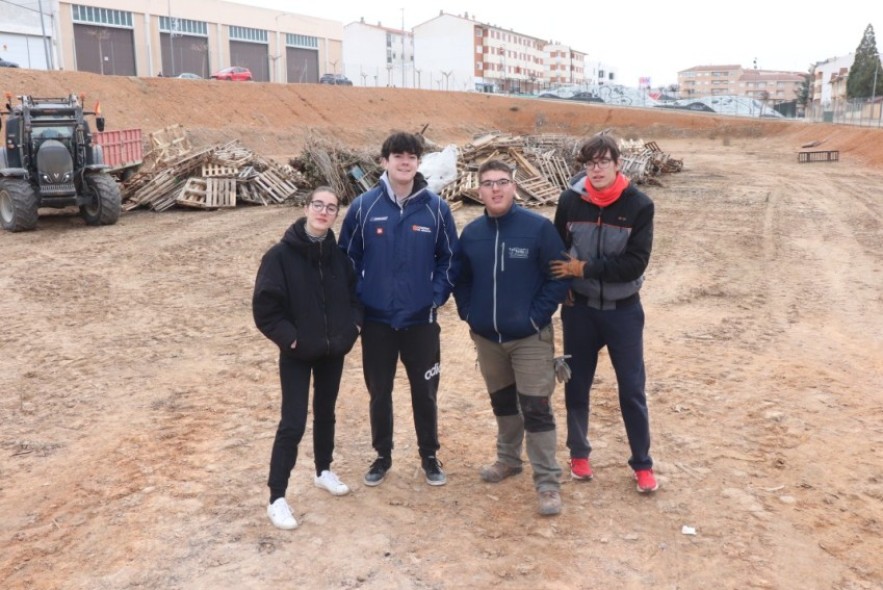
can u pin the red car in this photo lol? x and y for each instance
(234, 73)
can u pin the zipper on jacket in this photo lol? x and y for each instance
(600, 280)
(496, 259)
(324, 300)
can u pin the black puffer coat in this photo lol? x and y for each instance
(305, 291)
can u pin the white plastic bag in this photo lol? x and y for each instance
(440, 168)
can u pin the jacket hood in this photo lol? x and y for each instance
(578, 183)
(420, 186)
(296, 237)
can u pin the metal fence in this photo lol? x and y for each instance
(860, 112)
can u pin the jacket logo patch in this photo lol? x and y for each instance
(384, 218)
(379, 230)
(421, 228)
(519, 252)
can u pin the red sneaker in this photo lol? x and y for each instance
(581, 469)
(646, 481)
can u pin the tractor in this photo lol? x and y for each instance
(49, 160)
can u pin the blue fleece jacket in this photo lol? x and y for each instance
(504, 290)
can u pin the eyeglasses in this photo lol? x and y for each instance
(602, 164)
(502, 183)
(319, 206)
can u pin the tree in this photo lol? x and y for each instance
(865, 69)
(804, 89)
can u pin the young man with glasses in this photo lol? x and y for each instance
(607, 226)
(401, 238)
(305, 302)
(507, 296)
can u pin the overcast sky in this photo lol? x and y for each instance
(655, 38)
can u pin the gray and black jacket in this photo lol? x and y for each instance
(615, 241)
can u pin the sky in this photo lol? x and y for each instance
(641, 38)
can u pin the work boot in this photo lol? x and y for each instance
(498, 472)
(550, 502)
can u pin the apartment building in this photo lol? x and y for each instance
(829, 80)
(564, 65)
(734, 80)
(457, 52)
(374, 55)
(149, 37)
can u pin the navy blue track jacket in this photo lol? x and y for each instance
(403, 255)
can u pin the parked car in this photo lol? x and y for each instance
(549, 95)
(189, 76)
(7, 64)
(586, 97)
(338, 79)
(234, 73)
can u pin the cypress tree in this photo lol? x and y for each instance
(860, 83)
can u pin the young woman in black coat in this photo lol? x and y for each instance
(305, 302)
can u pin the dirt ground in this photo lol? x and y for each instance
(138, 402)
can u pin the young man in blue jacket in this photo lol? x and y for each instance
(401, 238)
(507, 296)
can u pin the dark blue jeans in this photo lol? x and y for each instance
(621, 330)
(295, 377)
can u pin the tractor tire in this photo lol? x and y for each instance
(106, 201)
(18, 205)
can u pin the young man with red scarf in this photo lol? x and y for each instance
(607, 226)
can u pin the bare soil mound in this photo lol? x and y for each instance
(275, 119)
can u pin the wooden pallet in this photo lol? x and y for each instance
(274, 185)
(539, 189)
(821, 156)
(212, 169)
(208, 193)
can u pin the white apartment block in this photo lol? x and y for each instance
(599, 73)
(564, 65)
(374, 55)
(829, 80)
(458, 53)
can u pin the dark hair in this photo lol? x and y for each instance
(402, 143)
(598, 146)
(494, 164)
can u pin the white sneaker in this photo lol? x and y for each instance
(329, 481)
(280, 515)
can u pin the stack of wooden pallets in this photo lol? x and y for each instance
(211, 178)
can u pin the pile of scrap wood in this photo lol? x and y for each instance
(208, 178)
(643, 162)
(223, 175)
(325, 162)
(542, 166)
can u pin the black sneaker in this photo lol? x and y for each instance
(378, 470)
(433, 469)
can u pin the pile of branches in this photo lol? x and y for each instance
(326, 162)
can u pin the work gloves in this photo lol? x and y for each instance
(563, 269)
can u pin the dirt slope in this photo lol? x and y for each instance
(138, 402)
(275, 119)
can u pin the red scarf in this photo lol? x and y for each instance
(607, 196)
